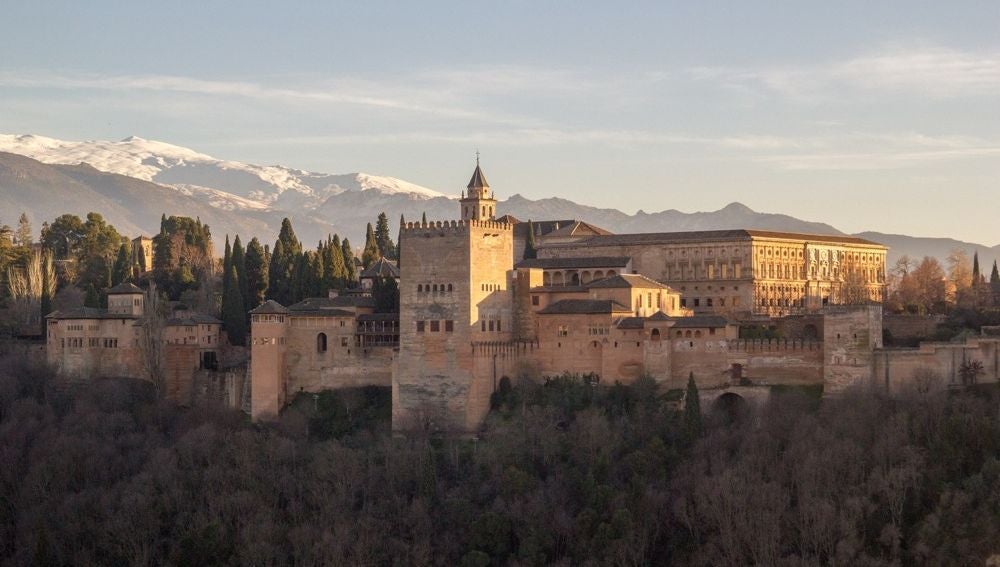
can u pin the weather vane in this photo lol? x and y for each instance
(477, 157)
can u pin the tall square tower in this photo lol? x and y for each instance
(455, 292)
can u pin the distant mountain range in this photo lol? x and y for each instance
(133, 181)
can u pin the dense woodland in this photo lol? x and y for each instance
(566, 472)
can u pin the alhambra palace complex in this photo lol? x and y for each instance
(474, 311)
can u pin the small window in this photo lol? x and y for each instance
(491, 325)
(563, 331)
(321, 342)
(534, 300)
(343, 341)
(420, 287)
(482, 325)
(420, 326)
(435, 326)
(449, 326)
(450, 288)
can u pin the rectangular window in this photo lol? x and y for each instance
(491, 325)
(498, 325)
(684, 302)
(534, 300)
(563, 331)
(482, 325)
(708, 302)
(697, 302)
(420, 326)
(449, 326)
(435, 326)
(343, 341)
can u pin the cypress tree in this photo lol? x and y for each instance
(995, 277)
(227, 262)
(692, 410)
(530, 251)
(371, 252)
(335, 261)
(977, 278)
(399, 242)
(350, 271)
(386, 247)
(92, 299)
(122, 271)
(239, 262)
(423, 218)
(277, 278)
(233, 313)
(287, 237)
(256, 273)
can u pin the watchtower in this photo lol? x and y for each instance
(455, 292)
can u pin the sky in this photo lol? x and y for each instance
(867, 115)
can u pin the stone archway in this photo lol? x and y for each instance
(731, 406)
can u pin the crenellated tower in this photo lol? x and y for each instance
(455, 293)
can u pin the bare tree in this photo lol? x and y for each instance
(28, 286)
(151, 341)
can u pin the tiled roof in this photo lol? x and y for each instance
(123, 288)
(543, 228)
(330, 303)
(379, 317)
(88, 313)
(719, 235)
(381, 268)
(659, 316)
(700, 322)
(193, 319)
(584, 307)
(628, 280)
(478, 178)
(631, 323)
(579, 228)
(569, 263)
(270, 307)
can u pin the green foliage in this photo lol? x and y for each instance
(122, 270)
(530, 248)
(256, 274)
(371, 253)
(240, 264)
(234, 314)
(93, 298)
(385, 292)
(383, 238)
(349, 267)
(692, 410)
(182, 255)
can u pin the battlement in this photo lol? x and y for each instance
(455, 226)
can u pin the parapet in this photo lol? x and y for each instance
(456, 225)
(772, 345)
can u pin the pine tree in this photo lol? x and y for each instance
(300, 281)
(339, 267)
(122, 270)
(350, 270)
(371, 252)
(995, 278)
(977, 278)
(287, 237)
(23, 231)
(92, 299)
(233, 312)
(692, 410)
(386, 247)
(530, 249)
(239, 262)
(256, 270)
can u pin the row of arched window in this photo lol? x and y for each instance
(434, 288)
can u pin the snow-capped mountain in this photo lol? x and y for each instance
(231, 185)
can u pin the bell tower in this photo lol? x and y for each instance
(478, 203)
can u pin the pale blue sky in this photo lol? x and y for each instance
(867, 115)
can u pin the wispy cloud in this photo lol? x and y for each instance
(929, 71)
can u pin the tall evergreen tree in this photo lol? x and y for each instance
(23, 231)
(234, 315)
(385, 293)
(977, 277)
(239, 262)
(92, 299)
(692, 409)
(386, 247)
(300, 281)
(350, 270)
(371, 252)
(287, 237)
(530, 249)
(227, 262)
(399, 242)
(256, 273)
(334, 272)
(423, 217)
(122, 270)
(995, 277)
(278, 278)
